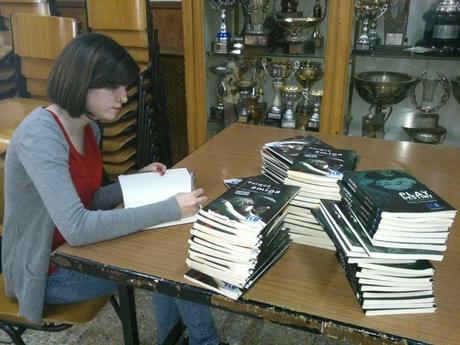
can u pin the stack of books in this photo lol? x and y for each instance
(386, 229)
(315, 167)
(239, 236)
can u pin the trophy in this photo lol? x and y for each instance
(245, 89)
(307, 73)
(456, 87)
(381, 89)
(294, 27)
(279, 71)
(289, 6)
(314, 121)
(254, 32)
(259, 77)
(424, 126)
(368, 11)
(316, 36)
(223, 36)
(290, 94)
(217, 111)
(442, 33)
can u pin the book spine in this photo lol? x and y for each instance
(369, 222)
(361, 195)
(350, 275)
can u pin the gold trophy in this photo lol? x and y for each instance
(307, 73)
(381, 89)
(295, 37)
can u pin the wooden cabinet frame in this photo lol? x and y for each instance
(336, 61)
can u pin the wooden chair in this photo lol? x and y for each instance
(129, 22)
(8, 82)
(55, 317)
(9, 7)
(37, 41)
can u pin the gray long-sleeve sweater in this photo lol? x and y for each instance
(39, 195)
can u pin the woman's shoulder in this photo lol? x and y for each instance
(38, 124)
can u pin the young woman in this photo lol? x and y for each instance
(54, 192)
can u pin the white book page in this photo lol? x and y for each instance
(147, 188)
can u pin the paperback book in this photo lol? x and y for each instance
(395, 193)
(239, 235)
(149, 187)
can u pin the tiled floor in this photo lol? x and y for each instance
(105, 329)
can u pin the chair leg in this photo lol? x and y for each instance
(14, 332)
(176, 334)
(115, 306)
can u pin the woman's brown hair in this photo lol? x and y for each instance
(89, 61)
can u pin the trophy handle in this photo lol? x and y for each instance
(413, 96)
(264, 62)
(324, 12)
(383, 10)
(387, 116)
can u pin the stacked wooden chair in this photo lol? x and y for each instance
(138, 136)
(37, 41)
(8, 80)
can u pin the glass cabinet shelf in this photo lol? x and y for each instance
(271, 52)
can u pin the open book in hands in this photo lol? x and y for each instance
(149, 187)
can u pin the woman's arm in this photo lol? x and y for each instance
(44, 155)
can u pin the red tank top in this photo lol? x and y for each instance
(85, 171)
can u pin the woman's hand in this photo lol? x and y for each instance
(155, 167)
(190, 203)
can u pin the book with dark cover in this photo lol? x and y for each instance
(382, 303)
(288, 149)
(395, 193)
(384, 252)
(254, 203)
(322, 160)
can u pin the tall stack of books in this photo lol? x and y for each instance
(386, 229)
(315, 167)
(239, 236)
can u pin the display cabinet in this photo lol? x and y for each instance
(404, 86)
(287, 40)
(368, 45)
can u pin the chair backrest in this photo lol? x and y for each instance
(127, 21)
(37, 41)
(8, 7)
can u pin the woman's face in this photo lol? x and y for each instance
(105, 103)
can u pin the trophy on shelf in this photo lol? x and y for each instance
(259, 77)
(307, 73)
(254, 32)
(455, 81)
(442, 33)
(381, 89)
(424, 126)
(245, 89)
(289, 8)
(296, 41)
(368, 11)
(217, 111)
(290, 94)
(314, 121)
(316, 36)
(222, 44)
(279, 71)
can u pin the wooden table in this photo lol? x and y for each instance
(306, 288)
